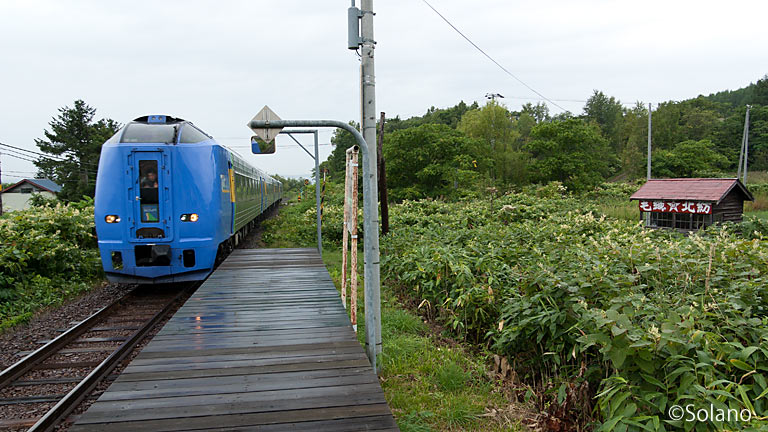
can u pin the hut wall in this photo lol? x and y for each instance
(730, 209)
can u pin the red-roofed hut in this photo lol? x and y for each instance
(688, 204)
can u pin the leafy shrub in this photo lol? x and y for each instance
(46, 253)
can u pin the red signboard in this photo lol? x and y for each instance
(676, 207)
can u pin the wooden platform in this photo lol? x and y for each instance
(264, 344)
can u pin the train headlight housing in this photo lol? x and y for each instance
(111, 219)
(189, 217)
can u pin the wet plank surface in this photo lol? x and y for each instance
(264, 344)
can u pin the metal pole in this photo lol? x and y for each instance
(383, 179)
(741, 151)
(1, 187)
(370, 226)
(368, 83)
(649, 143)
(345, 227)
(317, 197)
(746, 144)
(297, 141)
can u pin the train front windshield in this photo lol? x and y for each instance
(149, 133)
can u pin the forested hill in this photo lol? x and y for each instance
(753, 94)
(468, 148)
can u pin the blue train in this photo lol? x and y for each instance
(170, 201)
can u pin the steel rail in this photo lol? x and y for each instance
(77, 394)
(34, 358)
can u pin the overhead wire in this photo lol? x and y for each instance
(552, 101)
(6, 153)
(491, 58)
(32, 153)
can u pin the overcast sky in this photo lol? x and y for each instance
(216, 63)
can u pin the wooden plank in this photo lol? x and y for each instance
(231, 342)
(190, 414)
(234, 403)
(276, 326)
(205, 363)
(230, 421)
(236, 384)
(292, 367)
(331, 346)
(355, 424)
(140, 361)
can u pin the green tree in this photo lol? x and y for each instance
(430, 161)
(634, 139)
(608, 113)
(688, 159)
(727, 137)
(74, 141)
(539, 112)
(447, 116)
(760, 92)
(494, 126)
(529, 116)
(570, 151)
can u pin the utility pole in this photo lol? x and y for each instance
(383, 179)
(492, 97)
(744, 148)
(649, 142)
(368, 81)
(1, 186)
(364, 18)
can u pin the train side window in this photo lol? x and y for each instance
(148, 186)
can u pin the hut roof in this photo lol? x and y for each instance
(690, 189)
(44, 184)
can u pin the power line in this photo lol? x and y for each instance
(6, 153)
(31, 151)
(19, 172)
(54, 158)
(18, 157)
(491, 58)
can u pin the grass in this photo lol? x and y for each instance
(620, 209)
(431, 382)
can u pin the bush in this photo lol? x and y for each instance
(45, 253)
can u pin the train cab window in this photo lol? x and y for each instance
(191, 135)
(149, 185)
(149, 133)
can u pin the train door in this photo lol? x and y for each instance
(232, 198)
(262, 192)
(150, 193)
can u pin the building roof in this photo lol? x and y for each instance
(45, 184)
(690, 189)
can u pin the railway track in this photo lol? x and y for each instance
(47, 384)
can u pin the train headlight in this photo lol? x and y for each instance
(189, 217)
(111, 218)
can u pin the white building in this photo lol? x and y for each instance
(17, 197)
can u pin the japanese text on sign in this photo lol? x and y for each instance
(676, 207)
